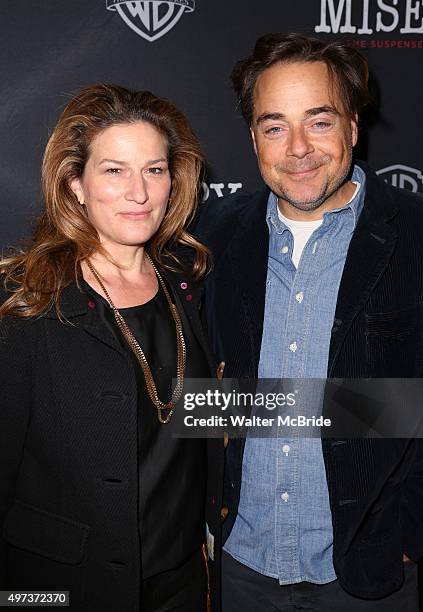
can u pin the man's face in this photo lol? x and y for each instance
(302, 137)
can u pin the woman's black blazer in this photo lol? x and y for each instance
(68, 429)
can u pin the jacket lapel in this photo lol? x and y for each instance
(248, 255)
(370, 250)
(188, 297)
(95, 326)
(78, 308)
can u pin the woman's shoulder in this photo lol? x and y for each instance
(16, 327)
(16, 342)
(72, 300)
(13, 330)
(6, 293)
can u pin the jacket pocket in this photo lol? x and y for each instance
(392, 324)
(392, 343)
(381, 564)
(44, 533)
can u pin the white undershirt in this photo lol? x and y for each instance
(302, 230)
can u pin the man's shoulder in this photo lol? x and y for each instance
(223, 214)
(406, 215)
(408, 201)
(221, 209)
(405, 201)
(409, 217)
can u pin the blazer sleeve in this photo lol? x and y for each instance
(15, 401)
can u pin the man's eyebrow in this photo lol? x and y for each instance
(269, 117)
(311, 112)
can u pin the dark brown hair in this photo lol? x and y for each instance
(64, 236)
(348, 69)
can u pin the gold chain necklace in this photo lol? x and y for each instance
(138, 352)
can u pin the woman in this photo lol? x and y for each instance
(99, 313)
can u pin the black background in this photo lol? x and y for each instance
(51, 48)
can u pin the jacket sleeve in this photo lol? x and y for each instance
(15, 400)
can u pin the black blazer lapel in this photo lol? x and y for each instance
(77, 308)
(188, 296)
(248, 255)
(370, 250)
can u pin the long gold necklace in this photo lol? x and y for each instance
(138, 352)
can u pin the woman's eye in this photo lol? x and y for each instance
(156, 170)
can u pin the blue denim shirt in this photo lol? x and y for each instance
(284, 526)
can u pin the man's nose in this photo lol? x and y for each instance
(298, 143)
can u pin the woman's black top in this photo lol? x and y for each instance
(172, 471)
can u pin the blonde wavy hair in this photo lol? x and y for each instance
(35, 276)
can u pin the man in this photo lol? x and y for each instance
(319, 275)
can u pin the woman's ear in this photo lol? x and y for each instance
(75, 185)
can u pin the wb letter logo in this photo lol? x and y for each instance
(151, 19)
(403, 177)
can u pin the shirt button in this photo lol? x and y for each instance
(285, 496)
(299, 297)
(293, 347)
(285, 449)
(284, 249)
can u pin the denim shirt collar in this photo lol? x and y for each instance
(354, 207)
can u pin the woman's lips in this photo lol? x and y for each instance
(134, 215)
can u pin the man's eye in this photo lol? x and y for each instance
(321, 125)
(273, 130)
(113, 170)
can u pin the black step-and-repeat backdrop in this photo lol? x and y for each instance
(185, 50)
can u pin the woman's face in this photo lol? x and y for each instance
(126, 183)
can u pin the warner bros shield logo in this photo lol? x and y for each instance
(402, 176)
(151, 19)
